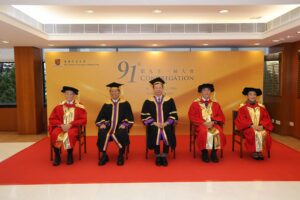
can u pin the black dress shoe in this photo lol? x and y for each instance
(120, 160)
(205, 157)
(158, 161)
(255, 155)
(70, 157)
(104, 159)
(260, 156)
(214, 157)
(164, 161)
(57, 159)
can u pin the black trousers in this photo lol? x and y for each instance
(165, 149)
(120, 134)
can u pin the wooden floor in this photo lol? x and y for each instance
(15, 137)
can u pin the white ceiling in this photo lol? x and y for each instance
(146, 2)
(144, 14)
(135, 11)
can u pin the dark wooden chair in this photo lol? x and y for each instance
(238, 136)
(81, 139)
(193, 136)
(126, 151)
(173, 150)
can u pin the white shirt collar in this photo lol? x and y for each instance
(115, 100)
(70, 102)
(205, 99)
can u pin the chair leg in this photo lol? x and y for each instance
(191, 142)
(241, 146)
(174, 153)
(221, 153)
(233, 141)
(194, 146)
(51, 151)
(84, 137)
(79, 146)
(127, 152)
(146, 153)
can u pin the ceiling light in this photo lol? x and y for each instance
(154, 45)
(289, 36)
(257, 17)
(156, 11)
(51, 45)
(89, 11)
(276, 40)
(257, 44)
(298, 32)
(205, 44)
(103, 45)
(5, 41)
(223, 11)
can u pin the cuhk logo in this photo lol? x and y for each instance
(57, 62)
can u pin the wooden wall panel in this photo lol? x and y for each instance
(8, 118)
(286, 107)
(29, 90)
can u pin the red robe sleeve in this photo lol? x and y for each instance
(218, 114)
(265, 119)
(194, 113)
(242, 120)
(56, 117)
(80, 117)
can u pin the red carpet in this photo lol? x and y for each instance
(32, 166)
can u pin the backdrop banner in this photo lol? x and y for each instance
(229, 71)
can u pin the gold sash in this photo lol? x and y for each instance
(259, 135)
(63, 137)
(213, 136)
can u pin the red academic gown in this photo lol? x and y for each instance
(57, 117)
(195, 115)
(244, 121)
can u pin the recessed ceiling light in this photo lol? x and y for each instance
(257, 17)
(298, 32)
(257, 44)
(51, 45)
(103, 45)
(89, 11)
(276, 40)
(223, 11)
(157, 11)
(154, 45)
(205, 44)
(289, 36)
(5, 41)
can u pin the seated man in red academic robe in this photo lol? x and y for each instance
(207, 114)
(63, 124)
(253, 119)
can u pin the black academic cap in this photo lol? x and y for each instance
(157, 80)
(246, 90)
(66, 88)
(206, 85)
(114, 84)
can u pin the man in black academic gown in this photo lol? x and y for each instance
(159, 115)
(114, 121)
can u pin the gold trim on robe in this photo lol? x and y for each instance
(213, 136)
(259, 135)
(112, 129)
(63, 137)
(162, 121)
